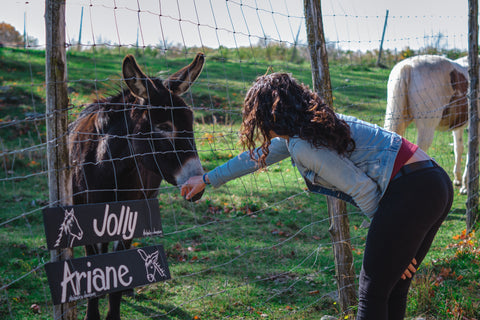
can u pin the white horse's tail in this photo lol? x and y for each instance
(397, 116)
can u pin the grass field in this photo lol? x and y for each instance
(256, 248)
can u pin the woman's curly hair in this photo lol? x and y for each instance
(278, 103)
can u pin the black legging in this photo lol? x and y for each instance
(410, 214)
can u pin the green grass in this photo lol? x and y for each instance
(255, 248)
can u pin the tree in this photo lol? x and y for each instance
(8, 34)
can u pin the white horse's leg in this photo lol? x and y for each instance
(425, 135)
(458, 151)
(463, 188)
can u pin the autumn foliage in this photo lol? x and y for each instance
(8, 35)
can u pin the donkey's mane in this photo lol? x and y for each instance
(106, 108)
(118, 101)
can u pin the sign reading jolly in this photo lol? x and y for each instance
(71, 226)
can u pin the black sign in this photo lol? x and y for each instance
(93, 276)
(72, 226)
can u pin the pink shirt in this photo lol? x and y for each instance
(407, 149)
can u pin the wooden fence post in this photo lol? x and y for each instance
(339, 224)
(59, 180)
(472, 178)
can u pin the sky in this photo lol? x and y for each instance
(350, 24)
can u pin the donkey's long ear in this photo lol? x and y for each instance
(138, 83)
(180, 81)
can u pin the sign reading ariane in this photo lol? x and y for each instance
(97, 275)
(72, 226)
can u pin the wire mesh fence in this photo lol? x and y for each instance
(257, 247)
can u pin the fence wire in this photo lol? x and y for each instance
(257, 247)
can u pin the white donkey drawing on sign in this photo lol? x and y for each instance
(69, 228)
(151, 265)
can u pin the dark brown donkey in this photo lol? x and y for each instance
(123, 146)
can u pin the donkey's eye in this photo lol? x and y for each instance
(164, 127)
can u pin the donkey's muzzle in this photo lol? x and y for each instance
(196, 197)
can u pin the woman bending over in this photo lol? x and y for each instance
(396, 184)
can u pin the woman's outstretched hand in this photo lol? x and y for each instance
(411, 269)
(193, 186)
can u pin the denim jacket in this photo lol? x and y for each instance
(360, 177)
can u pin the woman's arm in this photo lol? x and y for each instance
(235, 168)
(243, 164)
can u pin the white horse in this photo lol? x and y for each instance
(430, 91)
(463, 61)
